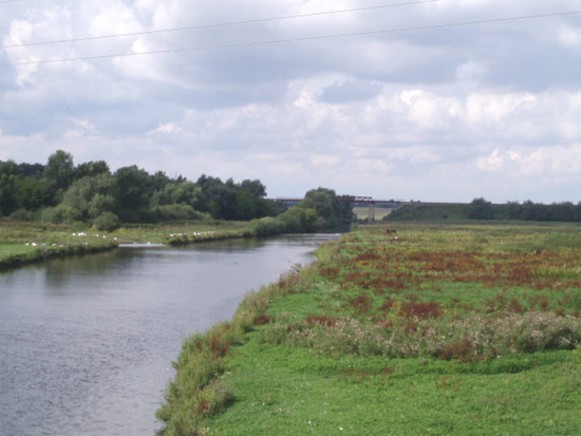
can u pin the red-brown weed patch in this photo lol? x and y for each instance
(321, 320)
(421, 310)
(361, 303)
(463, 350)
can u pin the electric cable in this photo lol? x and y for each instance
(223, 24)
(305, 38)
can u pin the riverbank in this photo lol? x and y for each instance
(23, 243)
(439, 329)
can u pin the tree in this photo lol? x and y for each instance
(92, 168)
(133, 193)
(176, 192)
(59, 171)
(31, 193)
(332, 213)
(8, 176)
(480, 209)
(92, 195)
(254, 188)
(299, 220)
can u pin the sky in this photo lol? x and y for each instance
(434, 100)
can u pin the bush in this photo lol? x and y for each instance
(268, 227)
(298, 220)
(107, 221)
(60, 215)
(23, 215)
(178, 212)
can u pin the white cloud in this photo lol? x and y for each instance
(426, 110)
(542, 162)
(570, 36)
(488, 109)
(168, 128)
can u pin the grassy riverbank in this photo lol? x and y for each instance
(23, 243)
(464, 329)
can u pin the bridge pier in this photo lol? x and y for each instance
(371, 212)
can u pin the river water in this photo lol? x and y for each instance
(86, 343)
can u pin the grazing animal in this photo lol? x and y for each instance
(390, 231)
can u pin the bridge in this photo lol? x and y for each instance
(356, 201)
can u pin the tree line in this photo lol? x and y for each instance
(62, 192)
(482, 209)
(528, 210)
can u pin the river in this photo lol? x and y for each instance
(87, 342)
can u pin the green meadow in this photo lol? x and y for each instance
(434, 329)
(23, 242)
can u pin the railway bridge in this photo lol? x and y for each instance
(358, 202)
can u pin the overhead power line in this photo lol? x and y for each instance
(223, 24)
(305, 38)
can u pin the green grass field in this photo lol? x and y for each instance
(28, 242)
(438, 329)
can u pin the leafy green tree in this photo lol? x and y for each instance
(59, 171)
(31, 193)
(254, 188)
(299, 220)
(133, 193)
(216, 197)
(480, 209)
(565, 211)
(21, 187)
(513, 210)
(91, 196)
(92, 168)
(176, 192)
(247, 205)
(30, 170)
(7, 192)
(332, 213)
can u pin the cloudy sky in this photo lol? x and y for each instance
(442, 100)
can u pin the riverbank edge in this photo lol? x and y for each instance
(198, 390)
(42, 254)
(61, 246)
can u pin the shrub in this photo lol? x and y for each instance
(179, 212)
(267, 227)
(107, 221)
(23, 215)
(60, 215)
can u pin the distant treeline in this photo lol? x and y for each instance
(481, 209)
(62, 192)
